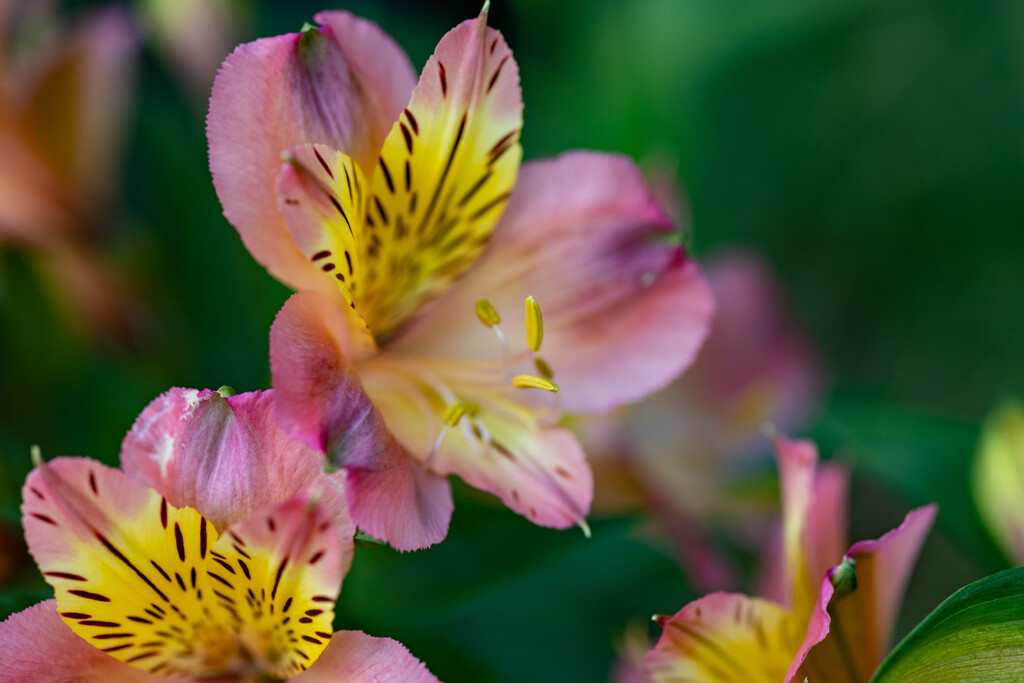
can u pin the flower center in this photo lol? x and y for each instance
(462, 397)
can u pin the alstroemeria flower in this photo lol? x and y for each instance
(63, 105)
(999, 478)
(402, 213)
(823, 621)
(240, 587)
(687, 451)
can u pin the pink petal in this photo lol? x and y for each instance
(343, 84)
(39, 647)
(817, 631)
(354, 657)
(624, 309)
(814, 519)
(757, 365)
(543, 476)
(867, 616)
(320, 401)
(228, 458)
(68, 500)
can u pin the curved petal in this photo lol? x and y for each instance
(817, 630)
(319, 400)
(342, 84)
(41, 648)
(354, 657)
(725, 637)
(229, 459)
(444, 175)
(625, 310)
(283, 561)
(110, 547)
(496, 444)
(542, 475)
(813, 519)
(866, 617)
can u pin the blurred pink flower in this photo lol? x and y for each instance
(227, 565)
(193, 37)
(689, 449)
(414, 248)
(63, 105)
(825, 621)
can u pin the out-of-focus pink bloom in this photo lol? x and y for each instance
(399, 214)
(62, 116)
(832, 623)
(227, 566)
(688, 450)
(193, 36)
(999, 478)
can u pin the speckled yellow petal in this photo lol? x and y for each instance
(128, 569)
(445, 172)
(278, 576)
(156, 587)
(726, 638)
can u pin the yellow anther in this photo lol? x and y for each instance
(534, 324)
(37, 456)
(487, 313)
(543, 369)
(453, 413)
(532, 382)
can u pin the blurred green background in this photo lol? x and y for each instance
(871, 150)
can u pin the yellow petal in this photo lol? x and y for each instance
(156, 587)
(445, 172)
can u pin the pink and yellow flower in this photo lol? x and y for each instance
(227, 567)
(820, 620)
(63, 105)
(687, 452)
(402, 215)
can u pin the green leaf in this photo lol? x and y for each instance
(977, 634)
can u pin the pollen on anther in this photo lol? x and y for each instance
(543, 369)
(534, 324)
(487, 314)
(532, 382)
(453, 413)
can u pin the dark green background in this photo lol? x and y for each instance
(871, 149)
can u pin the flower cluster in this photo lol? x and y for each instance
(534, 329)
(451, 306)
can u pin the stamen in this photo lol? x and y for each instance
(534, 324)
(543, 369)
(453, 413)
(487, 313)
(534, 382)
(436, 447)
